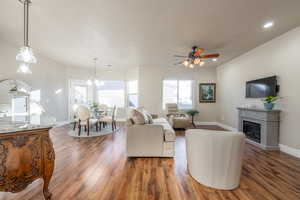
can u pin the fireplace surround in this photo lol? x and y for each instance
(260, 126)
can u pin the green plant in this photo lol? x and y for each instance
(192, 112)
(270, 99)
(94, 106)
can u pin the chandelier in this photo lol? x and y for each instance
(95, 81)
(25, 55)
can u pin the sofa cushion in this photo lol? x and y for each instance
(138, 117)
(159, 120)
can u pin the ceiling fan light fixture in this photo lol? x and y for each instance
(185, 63)
(202, 63)
(197, 61)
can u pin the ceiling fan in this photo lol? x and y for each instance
(195, 57)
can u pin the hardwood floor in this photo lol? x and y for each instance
(97, 168)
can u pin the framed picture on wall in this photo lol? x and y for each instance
(207, 92)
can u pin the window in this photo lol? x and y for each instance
(132, 92)
(80, 94)
(178, 91)
(111, 93)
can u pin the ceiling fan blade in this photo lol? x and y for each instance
(179, 56)
(210, 56)
(198, 52)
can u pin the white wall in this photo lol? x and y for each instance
(150, 88)
(278, 57)
(48, 76)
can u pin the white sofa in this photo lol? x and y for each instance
(215, 157)
(150, 140)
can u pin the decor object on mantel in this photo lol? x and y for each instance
(269, 102)
(260, 126)
(192, 113)
(25, 55)
(207, 93)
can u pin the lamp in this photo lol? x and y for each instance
(95, 81)
(25, 55)
(24, 68)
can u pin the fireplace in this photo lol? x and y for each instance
(252, 131)
(261, 127)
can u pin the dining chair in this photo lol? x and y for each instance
(109, 119)
(83, 116)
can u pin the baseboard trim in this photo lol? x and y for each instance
(205, 123)
(290, 150)
(230, 128)
(217, 124)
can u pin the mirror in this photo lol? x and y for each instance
(14, 101)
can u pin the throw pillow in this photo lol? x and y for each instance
(138, 117)
(150, 119)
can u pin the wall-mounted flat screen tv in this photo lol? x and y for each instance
(261, 88)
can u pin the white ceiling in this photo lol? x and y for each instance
(131, 33)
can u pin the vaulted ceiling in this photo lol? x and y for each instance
(131, 33)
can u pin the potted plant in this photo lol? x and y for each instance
(95, 109)
(192, 113)
(269, 102)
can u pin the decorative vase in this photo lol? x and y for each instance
(269, 106)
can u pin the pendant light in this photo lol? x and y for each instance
(25, 55)
(95, 81)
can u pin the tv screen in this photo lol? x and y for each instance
(261, 88)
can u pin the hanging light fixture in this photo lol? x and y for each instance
(25, 55)
(95, 81)
(24, 68)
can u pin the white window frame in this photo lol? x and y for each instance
(134, 93)
(178, 80)
(125, 92)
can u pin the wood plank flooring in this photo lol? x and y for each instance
(97, 168)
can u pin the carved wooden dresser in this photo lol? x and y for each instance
(25, 156)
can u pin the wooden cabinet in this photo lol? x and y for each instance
(24, 157)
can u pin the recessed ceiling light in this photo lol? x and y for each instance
(268, 25)
(214, 59)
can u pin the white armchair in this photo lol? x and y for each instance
(177, 118)
(215, 157)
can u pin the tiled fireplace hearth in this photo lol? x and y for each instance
(260, 126)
